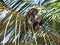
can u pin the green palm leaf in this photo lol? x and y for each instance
(12, 25)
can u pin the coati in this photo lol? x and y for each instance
(32, 16)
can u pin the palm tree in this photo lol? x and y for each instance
(12, 23)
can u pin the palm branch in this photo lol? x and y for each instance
(13, 24)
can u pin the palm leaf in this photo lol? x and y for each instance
(13, 25)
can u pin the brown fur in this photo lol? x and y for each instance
(31, 16)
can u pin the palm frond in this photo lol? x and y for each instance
(12, 25)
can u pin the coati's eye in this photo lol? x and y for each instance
(35, 13)
(30, 11)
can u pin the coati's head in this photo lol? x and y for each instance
(30, 16)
